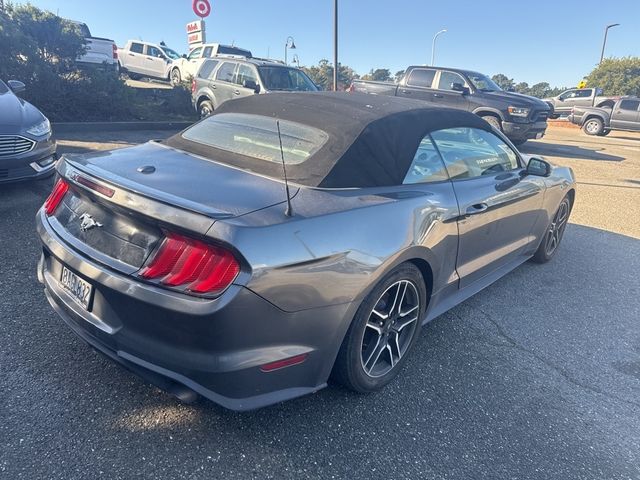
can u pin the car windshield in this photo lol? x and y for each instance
(256, 136)
(286, 79)
(172, 54)
(483, 83)
(224, 50)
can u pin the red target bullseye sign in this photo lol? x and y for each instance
(202, 8)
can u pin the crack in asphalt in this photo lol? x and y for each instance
(514, 344)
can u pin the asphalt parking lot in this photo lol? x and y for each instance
(536, 377)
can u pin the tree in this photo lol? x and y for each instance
(503, 81)
(398, 76)
(378, 75)
(322, 75)
(617, 76)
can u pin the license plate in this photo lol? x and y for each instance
(79, 289)
(538, 135)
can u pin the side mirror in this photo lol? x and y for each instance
(458, 87)
(538, 167)
(16, 86)
(252, 85)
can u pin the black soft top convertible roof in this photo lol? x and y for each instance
(372, 139)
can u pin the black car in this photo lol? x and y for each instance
(27, 149)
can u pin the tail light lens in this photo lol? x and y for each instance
(57, 194)
(193, 86)
(115, 52)
(191, 266)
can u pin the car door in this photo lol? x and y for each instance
(135, 58)
(579, 97)
(193, 61)
(445, 93)
(418, 85)
(498, 204)
(225, 85)
(155, 62)
(625, 115)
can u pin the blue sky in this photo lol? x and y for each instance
(554, 41)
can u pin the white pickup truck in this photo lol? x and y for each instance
(144, 59)
(99, 51)
(186, 67)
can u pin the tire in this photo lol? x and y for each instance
(372, 354)
(593, 126)
(554, 233)
(605, 133)
(493, 121)
(174, 77)
(205, 108)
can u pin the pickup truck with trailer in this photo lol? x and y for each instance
(623, 115)
(188, 65)
(520, 117)
(578, 97)
(98, 51)
(145, 59)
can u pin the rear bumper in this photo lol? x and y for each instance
(524, 131)
(27, 166)
(212, 347)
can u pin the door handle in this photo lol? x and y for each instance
(213, 87)
(131, 55)
(437, 95)
(236, 92)
(406, 92)
(477, 208)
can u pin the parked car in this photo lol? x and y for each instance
(578, 97)
(196, 265)
(26, 148)
(221, 79)
(187, 66)
(143, 59)
(99, 51)
(520, 117)
(624, 115)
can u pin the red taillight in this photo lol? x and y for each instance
(194, 266)
(57, 194)
(287, 362)
(193, 86)
(106, 191)
(115, 52)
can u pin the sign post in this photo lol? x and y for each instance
(196, 33)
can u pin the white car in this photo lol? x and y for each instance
(144, 59)
(98, 51)
(186, 67)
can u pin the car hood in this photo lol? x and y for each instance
(16, 114)
(184, 180)
(517, 98)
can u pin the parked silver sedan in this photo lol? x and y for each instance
(26, 147)
(288, 238)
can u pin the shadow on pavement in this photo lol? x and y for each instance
(567, 151)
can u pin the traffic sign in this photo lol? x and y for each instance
(201, 8)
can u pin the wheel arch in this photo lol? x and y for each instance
(485, 111)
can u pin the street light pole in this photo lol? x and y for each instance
(335, 45)
(433, 45)
(604, 42)
(288, 44)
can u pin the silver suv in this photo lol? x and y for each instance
(223, 78)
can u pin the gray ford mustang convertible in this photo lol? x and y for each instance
(193, 263)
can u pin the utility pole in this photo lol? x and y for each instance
(604, 42)
(335, 45)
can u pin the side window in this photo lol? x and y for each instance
(471, 152)
(427, 165)
(447, 78)
(227, 72)
(207, 68)
(583, 93)
(629, 105)
(421, 77)
(207, 52)
(195, 53)
(245, 72)
(568, 94)
(136, 48)
(154, 52)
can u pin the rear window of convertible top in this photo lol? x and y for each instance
(256, 136)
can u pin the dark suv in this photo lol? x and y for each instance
(223, 78)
